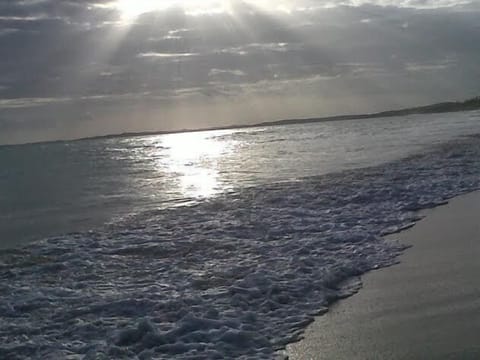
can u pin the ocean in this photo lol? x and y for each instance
(215, 244)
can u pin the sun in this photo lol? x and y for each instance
(130, 9)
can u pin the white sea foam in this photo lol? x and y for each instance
(238, 276)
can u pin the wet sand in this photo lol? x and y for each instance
(427, 307)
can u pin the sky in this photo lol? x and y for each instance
(90, 67)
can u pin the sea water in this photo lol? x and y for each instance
(213, 244)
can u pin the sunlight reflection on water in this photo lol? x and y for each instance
(88, 183)
(193, 159)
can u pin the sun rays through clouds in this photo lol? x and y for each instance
(82, 68)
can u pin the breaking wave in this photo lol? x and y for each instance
(237, 276)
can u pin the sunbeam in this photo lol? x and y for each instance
(130, 9)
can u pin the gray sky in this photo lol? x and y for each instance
(80, 68)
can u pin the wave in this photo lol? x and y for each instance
(237, 276)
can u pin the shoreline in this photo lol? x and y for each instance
(426, 306)
(265, 276)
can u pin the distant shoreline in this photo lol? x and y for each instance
(437, 108)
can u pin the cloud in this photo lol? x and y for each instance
(69, 56)
(165, 55)
(438, 65)
(216, 72)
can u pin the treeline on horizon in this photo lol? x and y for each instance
(443, 107)
(451, 106)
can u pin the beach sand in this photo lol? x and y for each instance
(426, 307)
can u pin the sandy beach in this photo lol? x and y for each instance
(426, 307)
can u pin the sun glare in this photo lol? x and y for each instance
(194, 159)
(131, 9)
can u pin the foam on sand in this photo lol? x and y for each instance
(238, 276)
(427, 307)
